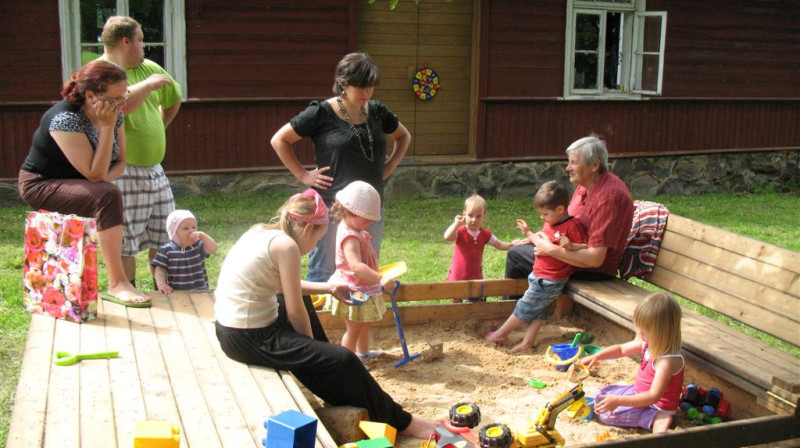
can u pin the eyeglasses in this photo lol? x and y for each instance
(115, 100)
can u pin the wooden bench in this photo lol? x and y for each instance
(170, 368)
(749, 281)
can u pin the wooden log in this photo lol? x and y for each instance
(342, 423)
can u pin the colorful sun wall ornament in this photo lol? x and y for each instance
(426, 84)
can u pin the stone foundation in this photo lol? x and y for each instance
(646, 176)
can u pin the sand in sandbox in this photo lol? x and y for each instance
(473, 370)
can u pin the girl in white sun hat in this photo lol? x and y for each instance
(357, 206)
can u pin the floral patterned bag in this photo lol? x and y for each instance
(60, 267)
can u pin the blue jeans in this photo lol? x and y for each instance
(322, 260)
(541, 293)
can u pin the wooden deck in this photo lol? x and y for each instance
(170, 368)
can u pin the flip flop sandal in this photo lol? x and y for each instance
(128, 299)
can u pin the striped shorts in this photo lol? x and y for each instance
(147, 200)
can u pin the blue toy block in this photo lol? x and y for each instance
(290, 429)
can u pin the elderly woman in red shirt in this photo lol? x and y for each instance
(602, 203)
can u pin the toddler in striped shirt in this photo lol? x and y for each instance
(180, 264)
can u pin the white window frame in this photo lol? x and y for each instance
(174, 33)
(638, 52)
(633, 15)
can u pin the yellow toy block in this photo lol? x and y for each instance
(375, 430)
(152, 434)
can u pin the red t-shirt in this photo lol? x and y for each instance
(468, 255)
(607, 213)
(552, 268)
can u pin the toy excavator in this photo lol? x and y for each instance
(542, 431)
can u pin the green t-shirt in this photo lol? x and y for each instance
(145, 138)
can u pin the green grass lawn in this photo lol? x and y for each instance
(414, 229)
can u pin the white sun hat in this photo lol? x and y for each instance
(361, 199)
(174, 221)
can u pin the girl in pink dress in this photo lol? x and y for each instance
(470, 238)
(357, 206)
(654, 397)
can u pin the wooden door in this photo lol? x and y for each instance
(433, 34)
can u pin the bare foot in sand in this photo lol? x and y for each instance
(494, 336)
(521, 347)
(419, 428)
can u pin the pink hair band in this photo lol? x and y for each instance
(320, 215)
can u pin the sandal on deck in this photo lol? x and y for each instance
(127, 298)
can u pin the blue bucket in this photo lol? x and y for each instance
(564, 352)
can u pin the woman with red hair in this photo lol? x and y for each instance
(77, 151)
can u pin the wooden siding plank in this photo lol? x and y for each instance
(281, 35)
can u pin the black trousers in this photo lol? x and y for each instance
(519, 264)
(331, 372)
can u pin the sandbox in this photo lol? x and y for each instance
(488, 375)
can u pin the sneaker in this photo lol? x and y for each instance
(370, 354)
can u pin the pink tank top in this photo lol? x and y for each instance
(670, 400)
(368, 256)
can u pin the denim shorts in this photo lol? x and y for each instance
(540, 294)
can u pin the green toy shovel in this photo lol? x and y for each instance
(68, 359)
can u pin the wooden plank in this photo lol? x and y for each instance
(30, 403)
(728, 434)
(782, 326)
(423, 314)
(96, 409)
(784, 394)
(153, 377)
(790, 383)
(766, 294)
(727, 261)
(198, 426)
(461, 289)
(231, 426)
(63, 393)
(748, 247)
(776, 404)
(269, 381)
(126, 390)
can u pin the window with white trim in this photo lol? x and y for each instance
(163, 24)
(614, 49)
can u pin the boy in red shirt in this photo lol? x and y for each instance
(549, 274)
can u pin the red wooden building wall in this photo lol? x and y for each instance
(716, 51)
(731, 79)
